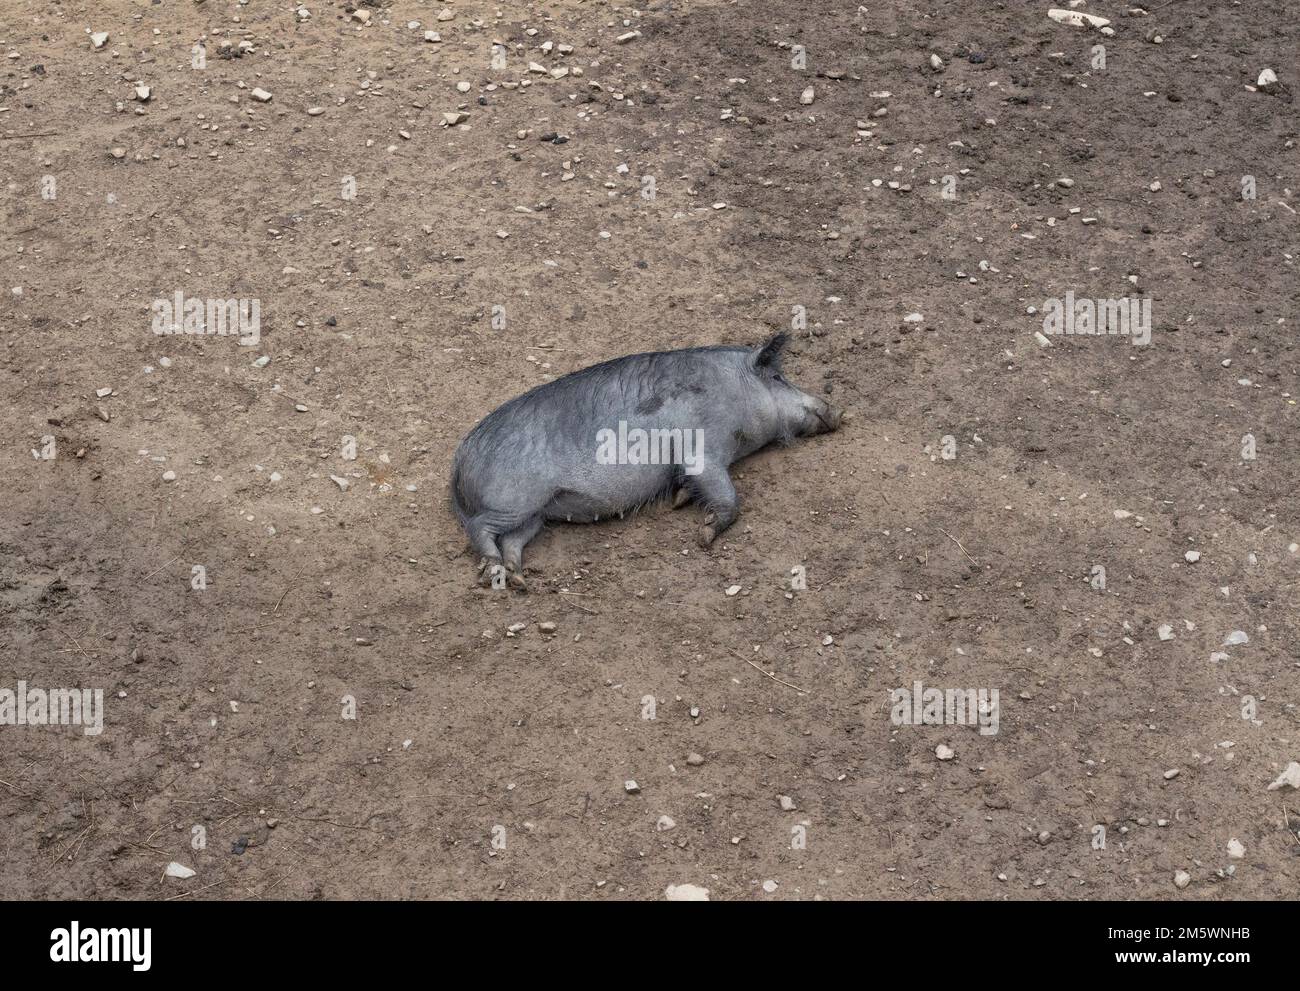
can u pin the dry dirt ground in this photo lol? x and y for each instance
(476, 260)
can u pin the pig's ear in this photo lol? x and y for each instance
(769, 355)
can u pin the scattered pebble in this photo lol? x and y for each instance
(686, 893)
(1076, 18)
(1289, 778)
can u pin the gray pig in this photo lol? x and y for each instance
(610, 438)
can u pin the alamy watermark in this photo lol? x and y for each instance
(25, 706)
(656, 446)
(921, 706)
(1123, 317)
(222, 317)
(102, 945)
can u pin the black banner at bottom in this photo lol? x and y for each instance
(336, 940)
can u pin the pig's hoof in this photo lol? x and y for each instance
(708, 534)
(488, 570)
(515, 580)
(681, 497)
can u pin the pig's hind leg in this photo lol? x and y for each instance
(512, 549)
(483, 531)
(713, 489)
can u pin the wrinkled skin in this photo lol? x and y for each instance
(535, 458)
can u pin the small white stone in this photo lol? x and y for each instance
(179, 870)
(1182, 879)
(1289, 778)
(261, 95)
(1076, 19)
(1235, 849)
(944, 752)
(1192, 556)
(686, 893)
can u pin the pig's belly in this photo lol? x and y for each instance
(609, 492)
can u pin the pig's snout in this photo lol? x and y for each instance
(828, 418)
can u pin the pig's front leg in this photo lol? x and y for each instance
(713, 490)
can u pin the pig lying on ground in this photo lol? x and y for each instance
(610, 438)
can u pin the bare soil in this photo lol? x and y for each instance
(225, 704)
